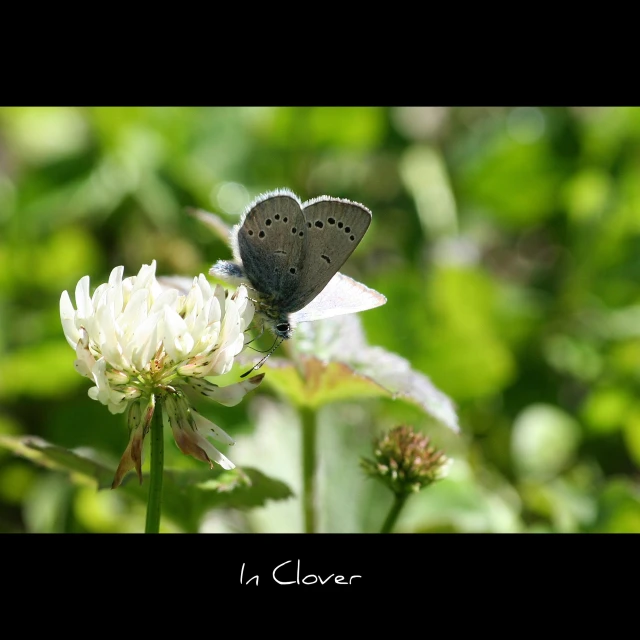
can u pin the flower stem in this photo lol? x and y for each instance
(154, 504)
(309, 437)
(394, 512)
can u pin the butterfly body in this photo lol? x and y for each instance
(289, 253)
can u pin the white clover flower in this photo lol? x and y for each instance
(139, 342)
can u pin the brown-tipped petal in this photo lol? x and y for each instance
(148, 415)
(131, 458)
(187, 443)
(194, 444)
(139, 424)
(126, 463)
(136, 454)
(186, 425)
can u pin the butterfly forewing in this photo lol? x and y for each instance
(272, 242)
(334, 227)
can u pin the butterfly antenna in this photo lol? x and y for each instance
(276, 344)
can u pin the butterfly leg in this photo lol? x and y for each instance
(259, 335)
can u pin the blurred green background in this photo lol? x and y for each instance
(507, 241)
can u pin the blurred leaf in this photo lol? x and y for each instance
(446, 324)
(586, 194)
(516, 183)
(607, 129)
(460, 503)
(79, 464)
(544, 440)
(572, 355)
(47, 507)
(619, 507)
(624, 358)
(187, 495)
(632, 432)
(15, 480)
(42, 370)
(48, 264)
(349, 127)
(425, 175)
(606, 408)
(41, 134)
(570, 508)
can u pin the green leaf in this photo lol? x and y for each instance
(81, 466)
(332, 362)
(313, 383)
(187, 495)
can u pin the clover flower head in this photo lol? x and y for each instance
(139, 342)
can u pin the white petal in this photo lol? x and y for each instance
(134, 314)
(221, 363)
(146, 274)
(240, 298)
(98, 293)
(167, 298)
(146, 279)
(118, 407)
(214, 313)
(194, 298)
(83, 299)
(143, 343)
(115, 281)
(68, 318)
(195, 318)
(105, 334)
(228, 396)
(230, 326)
(116, 377)
(215, 455)
(143, 281)
(85, 361)
(102, 392)
(220, 294)
(127, 289)
(178, 342)
(205, 287)
(208, 428)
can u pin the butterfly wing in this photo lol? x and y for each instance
(340, 296)
(271, 244)
(334, 228)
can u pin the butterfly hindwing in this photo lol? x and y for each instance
(340, 296)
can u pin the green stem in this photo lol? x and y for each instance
(154, 504)
(309, 498)
(394, 512)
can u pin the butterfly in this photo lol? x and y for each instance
(289, 253)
